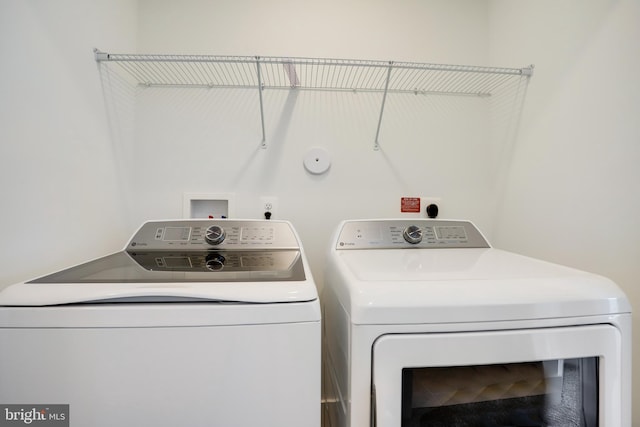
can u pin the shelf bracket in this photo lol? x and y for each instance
(260, 87)
(527, 71)
(100, 56)
(376, 145)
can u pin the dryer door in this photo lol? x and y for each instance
(540, 377)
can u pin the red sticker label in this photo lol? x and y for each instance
(410, 204)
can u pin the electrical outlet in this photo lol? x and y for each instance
(268, 207)
(426, 202)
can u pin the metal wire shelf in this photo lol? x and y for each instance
(313, 74)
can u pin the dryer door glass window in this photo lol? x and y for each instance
(552, 377)
(550, 393)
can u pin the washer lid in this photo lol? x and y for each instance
(177, 261)
(248, 277)
(185, 267)
(398, 286)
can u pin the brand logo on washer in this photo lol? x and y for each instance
(34, 415)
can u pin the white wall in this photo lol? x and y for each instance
(572, 194)
(61, 189)
(418, 30)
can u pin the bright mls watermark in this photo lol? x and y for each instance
(34, 415)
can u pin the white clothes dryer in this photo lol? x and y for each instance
(426, 324)
(193, 323)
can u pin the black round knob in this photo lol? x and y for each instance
(412, 234)
(432, 210)
(214, 235)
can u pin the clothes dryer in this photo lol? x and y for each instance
(193, 323)
(427, 325)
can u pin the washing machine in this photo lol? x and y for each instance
(193, 323)
(426, 324)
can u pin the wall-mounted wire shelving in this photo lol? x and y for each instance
(262, 73)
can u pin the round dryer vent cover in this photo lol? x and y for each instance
(317, 161)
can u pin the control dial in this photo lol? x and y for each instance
(214, 235)
(412, 234)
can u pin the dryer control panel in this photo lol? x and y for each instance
(410, 233)
(209, 234)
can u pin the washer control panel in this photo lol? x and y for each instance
(209, 234)
(414, 233)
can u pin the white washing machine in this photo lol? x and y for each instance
(427, 325)
(194, 323)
